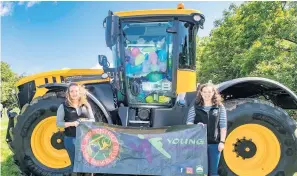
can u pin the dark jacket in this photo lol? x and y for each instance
(211, 119)
(71, 116)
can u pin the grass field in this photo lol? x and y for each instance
(8, 168)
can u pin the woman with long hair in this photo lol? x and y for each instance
(209, 109)
(70, 113)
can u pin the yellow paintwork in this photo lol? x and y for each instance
(156, 12)
(40, 92)
(186, 81)
(42, 147)
(266, 158)
(39, 78)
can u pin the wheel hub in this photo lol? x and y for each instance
(57, 140)
(245, 148)
(47, 144)
(252, 149)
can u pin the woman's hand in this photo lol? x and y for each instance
(221, 147)
(75, 123)
(201, 124)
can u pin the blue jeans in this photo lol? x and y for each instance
(213, 159)
(69, 143)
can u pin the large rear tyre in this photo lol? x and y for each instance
(260, 140)
(38, 143)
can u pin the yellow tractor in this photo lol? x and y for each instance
(154, 56)
(36, 141)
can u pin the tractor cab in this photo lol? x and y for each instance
(153, 55)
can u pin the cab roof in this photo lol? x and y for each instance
(157, 12)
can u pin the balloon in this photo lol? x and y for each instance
(149, 99)
(161, 43)
(162, 55)
(145, 66)
(153, 58)
(133, 69)
(155, 77)
(164, 99)
(131, 60)
(149, 49)
(136, 69)
(146, 56)
(128, 68)
(139, 59)
(163, 66)
(155, 68)
(135, 52)
(170, 63)
(141, 41)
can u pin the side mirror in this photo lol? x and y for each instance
(111, 25)
(102, 60)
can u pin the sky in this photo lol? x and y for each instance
(44, 36)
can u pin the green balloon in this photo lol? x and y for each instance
(139, 59)
(149, 49)
(154, 77)
(149, 99)
(169, 63)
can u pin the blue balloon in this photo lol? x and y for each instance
(128, 68)
(146, 56)
(136, 69)
(162, 55)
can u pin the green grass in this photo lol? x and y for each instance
(7, 165)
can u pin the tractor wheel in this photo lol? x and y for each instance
(260, 140)
(38, 143)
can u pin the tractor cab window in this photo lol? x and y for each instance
(187, 45)
(148, 58)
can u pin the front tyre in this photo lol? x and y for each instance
(260, 140)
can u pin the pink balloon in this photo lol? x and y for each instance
(153, 58)
(135, 52)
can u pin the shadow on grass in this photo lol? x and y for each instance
(9, 168)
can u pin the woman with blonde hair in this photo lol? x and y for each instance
(70, 113)
(209, 110)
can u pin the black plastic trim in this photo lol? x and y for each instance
(246, 87)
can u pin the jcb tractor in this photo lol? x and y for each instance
(153, 63)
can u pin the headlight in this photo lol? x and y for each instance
(104, 75)
(197, 18)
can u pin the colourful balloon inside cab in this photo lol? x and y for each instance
(162, 55)
(139, 59)
(153, 58)
(135, 52)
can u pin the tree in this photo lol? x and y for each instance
(255, 39)
(8, 80)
